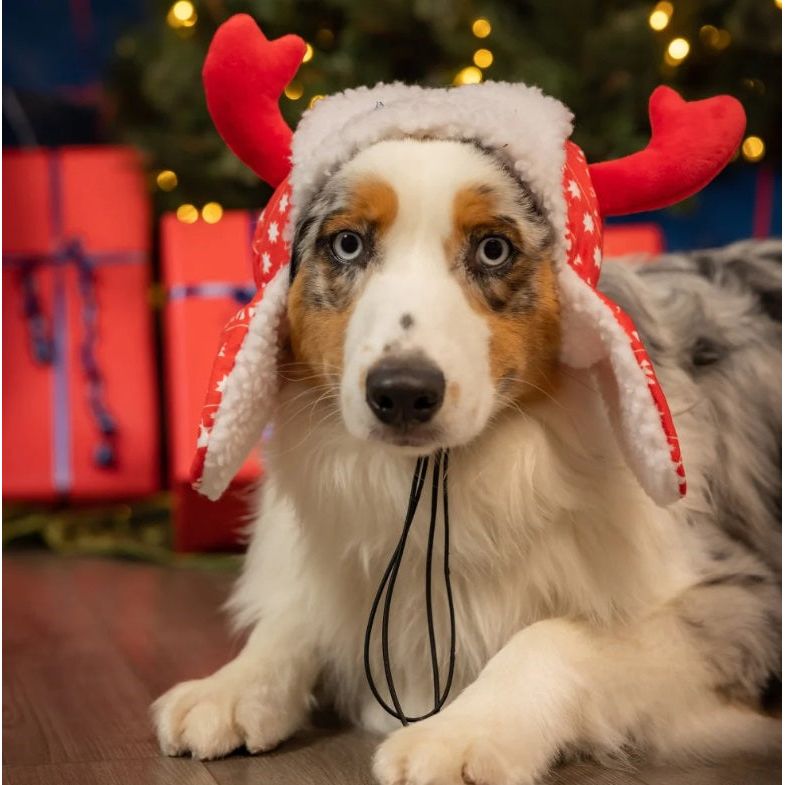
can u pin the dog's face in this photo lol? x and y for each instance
(424, 293)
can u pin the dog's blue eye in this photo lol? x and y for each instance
(493, 251)
(347, 246)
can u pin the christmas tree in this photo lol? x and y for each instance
(601, 57)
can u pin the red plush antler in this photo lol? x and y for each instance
(691, 142)
(244, 75)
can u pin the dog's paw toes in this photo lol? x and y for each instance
(487, 763)
(449, 754)
(209, 718)
(168, 712)
(265, 723)
(208, 731)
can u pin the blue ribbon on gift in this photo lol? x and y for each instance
(49, 337)
(242, 294)
(217, 290)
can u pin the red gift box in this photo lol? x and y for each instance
(643, 239)
(207, 270)
(79, 392)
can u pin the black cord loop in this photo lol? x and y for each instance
(387, 587)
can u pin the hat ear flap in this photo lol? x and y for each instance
(244, 383)
(637, 408)
(243, 388)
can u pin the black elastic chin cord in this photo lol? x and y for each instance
(440, 465)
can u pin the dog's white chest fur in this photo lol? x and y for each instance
(539, 529)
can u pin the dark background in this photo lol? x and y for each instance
(91, 71)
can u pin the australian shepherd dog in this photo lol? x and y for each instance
(424, 314)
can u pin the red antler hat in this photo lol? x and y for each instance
(244, 75)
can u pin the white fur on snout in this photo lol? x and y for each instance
(444, 328)
(412, 275)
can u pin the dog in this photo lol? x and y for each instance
(423, 314)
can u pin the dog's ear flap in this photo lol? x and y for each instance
(243, 386)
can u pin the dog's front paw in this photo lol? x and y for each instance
(452, 751)
(209, 718)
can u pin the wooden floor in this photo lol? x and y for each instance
(88, 644)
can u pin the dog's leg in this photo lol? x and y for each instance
(561, 684)
(262, 696)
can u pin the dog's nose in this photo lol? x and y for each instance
(404, 391)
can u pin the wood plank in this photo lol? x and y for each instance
(161, 771)
(167, 622)
(314, 757)
(589, 773)
(736, 770)
(68, 694)
(88, 643)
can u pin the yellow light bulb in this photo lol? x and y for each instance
(753, 148)
(714, 38)
(315, 100)
(481, 28)
(709, 35)
(182, 14)
(677, 50)
(658, 20)
(308, 56)
(778, 3)
(469, 75)
(483, 58)
(660, 16)
(723, 39)
(187, 213)
(293, 91)
(212, 212)
(166, 180)
(183, 10)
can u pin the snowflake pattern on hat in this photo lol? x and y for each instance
(271, 253)
(584, 255)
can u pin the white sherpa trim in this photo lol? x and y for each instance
(595, 338)
(250, 392)
(518, 122)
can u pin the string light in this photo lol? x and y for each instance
(677, 50)
(308, 56)
(315, 100)
(723, 39)
(166, 180)
(187, 213)
(660, 16)
(212, 212)
(778, 3)
(293, 91)
(469, 75)
(753, 148)
(182, 14)
(483, 58)
(481, 28)
(714, 38)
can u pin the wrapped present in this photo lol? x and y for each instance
(641, 239)
(79, 392)
(207, 272)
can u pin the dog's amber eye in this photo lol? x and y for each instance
(493, 251)
(347, 246)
